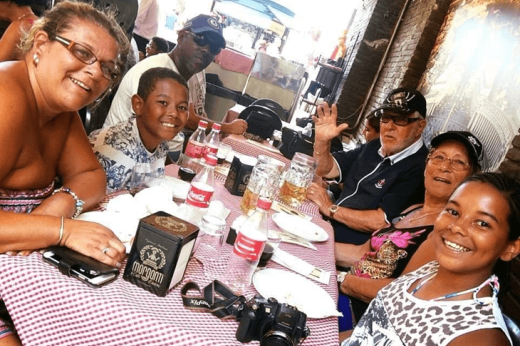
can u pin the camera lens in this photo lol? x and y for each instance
(276, 338)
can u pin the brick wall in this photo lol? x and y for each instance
(367, 41)
(406, 60)
(411, 49)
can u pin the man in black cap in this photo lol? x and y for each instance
(381, 177)
(198, 43)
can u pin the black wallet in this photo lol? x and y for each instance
(84, 268)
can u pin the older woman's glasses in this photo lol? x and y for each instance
(202, 40)
(399, 120)
(456, 164)
(108, 69)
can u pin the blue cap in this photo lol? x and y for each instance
(208, 25)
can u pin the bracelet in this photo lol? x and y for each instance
(323, 152)
(79, 203)
(61, 231)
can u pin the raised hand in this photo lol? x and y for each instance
(93, 240)
(326, 126)
(236, 127)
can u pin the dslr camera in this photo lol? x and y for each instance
(270, 322)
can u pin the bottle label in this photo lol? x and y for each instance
(198, 197)
(194, 149)
(210, 150)
(247, 248)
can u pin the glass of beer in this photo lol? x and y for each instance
(263, 182)
(298, 178)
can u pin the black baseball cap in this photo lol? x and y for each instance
(207, 25)
(472, 144)
(404, 101)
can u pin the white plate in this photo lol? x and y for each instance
(295, 290)
(300, 227)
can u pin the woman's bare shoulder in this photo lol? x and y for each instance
(17, 101)
(15, 87)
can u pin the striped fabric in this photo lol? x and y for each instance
(23, 201)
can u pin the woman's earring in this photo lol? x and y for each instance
(36, 59)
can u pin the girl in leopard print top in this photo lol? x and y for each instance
(453, 301)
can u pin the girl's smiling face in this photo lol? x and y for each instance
(472, 232)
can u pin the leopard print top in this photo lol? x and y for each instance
(396, 318)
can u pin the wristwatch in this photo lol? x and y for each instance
(332, 210)
(341, 276)
(79, 203)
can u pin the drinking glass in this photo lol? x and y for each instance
(273, 241)
(276, 139)
(222, 153)
(142, 174)
(212, 229)
(263, 182)
(298, 178)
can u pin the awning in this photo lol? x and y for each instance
(264, 14)
(244, 13)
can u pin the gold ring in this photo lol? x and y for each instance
(105, 250)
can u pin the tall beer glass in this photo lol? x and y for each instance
(298, 179)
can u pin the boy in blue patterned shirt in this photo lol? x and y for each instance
(161, 111)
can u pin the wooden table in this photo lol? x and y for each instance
(49, 308)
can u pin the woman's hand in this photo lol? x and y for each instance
(93, 240)
(319, 195)
(326, 126)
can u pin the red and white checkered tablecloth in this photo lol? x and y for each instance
(49, 308)
(241, 145)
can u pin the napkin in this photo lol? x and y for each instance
(125, 204)
(156, 198)
(177, 187)
(300, 266)
(194, 215)
(287, 238)
(144, 203)
(276, 206)
(217, 208)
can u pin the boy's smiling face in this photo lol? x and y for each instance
(163, 114)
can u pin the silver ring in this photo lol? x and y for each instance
(105, 250)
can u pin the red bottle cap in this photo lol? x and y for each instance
(216, 126)
(264, 203)
(210, 159)
(203, 123)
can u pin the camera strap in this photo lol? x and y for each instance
(224, 306)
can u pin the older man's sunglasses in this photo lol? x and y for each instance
(399, 120)
(202, 40)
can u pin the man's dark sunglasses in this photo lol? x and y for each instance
(202, 40)
(399, 120)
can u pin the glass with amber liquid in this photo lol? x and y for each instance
(298, 179)
(263, 182)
